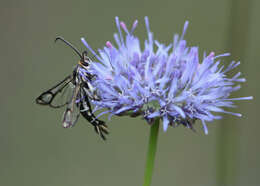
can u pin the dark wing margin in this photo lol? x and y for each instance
(47, 97)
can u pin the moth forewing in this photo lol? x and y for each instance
(48, 97)
(64, 96)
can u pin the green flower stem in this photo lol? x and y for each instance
(151, 153)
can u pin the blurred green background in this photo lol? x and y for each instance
(36, 150)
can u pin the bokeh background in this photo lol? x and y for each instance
(36, 150)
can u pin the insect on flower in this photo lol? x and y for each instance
(74, 92)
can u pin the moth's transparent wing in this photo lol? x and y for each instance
(72, 111)
(63, 97)
(57, 96)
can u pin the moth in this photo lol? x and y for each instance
(74, 92)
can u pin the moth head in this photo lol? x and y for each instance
(85, 60)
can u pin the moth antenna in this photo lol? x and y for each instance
(69, 44)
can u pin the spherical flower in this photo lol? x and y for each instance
(165, 81)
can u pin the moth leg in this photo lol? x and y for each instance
(99, 126)
(90, 91)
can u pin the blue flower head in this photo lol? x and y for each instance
(165, 81)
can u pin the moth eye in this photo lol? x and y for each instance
(87, 59)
